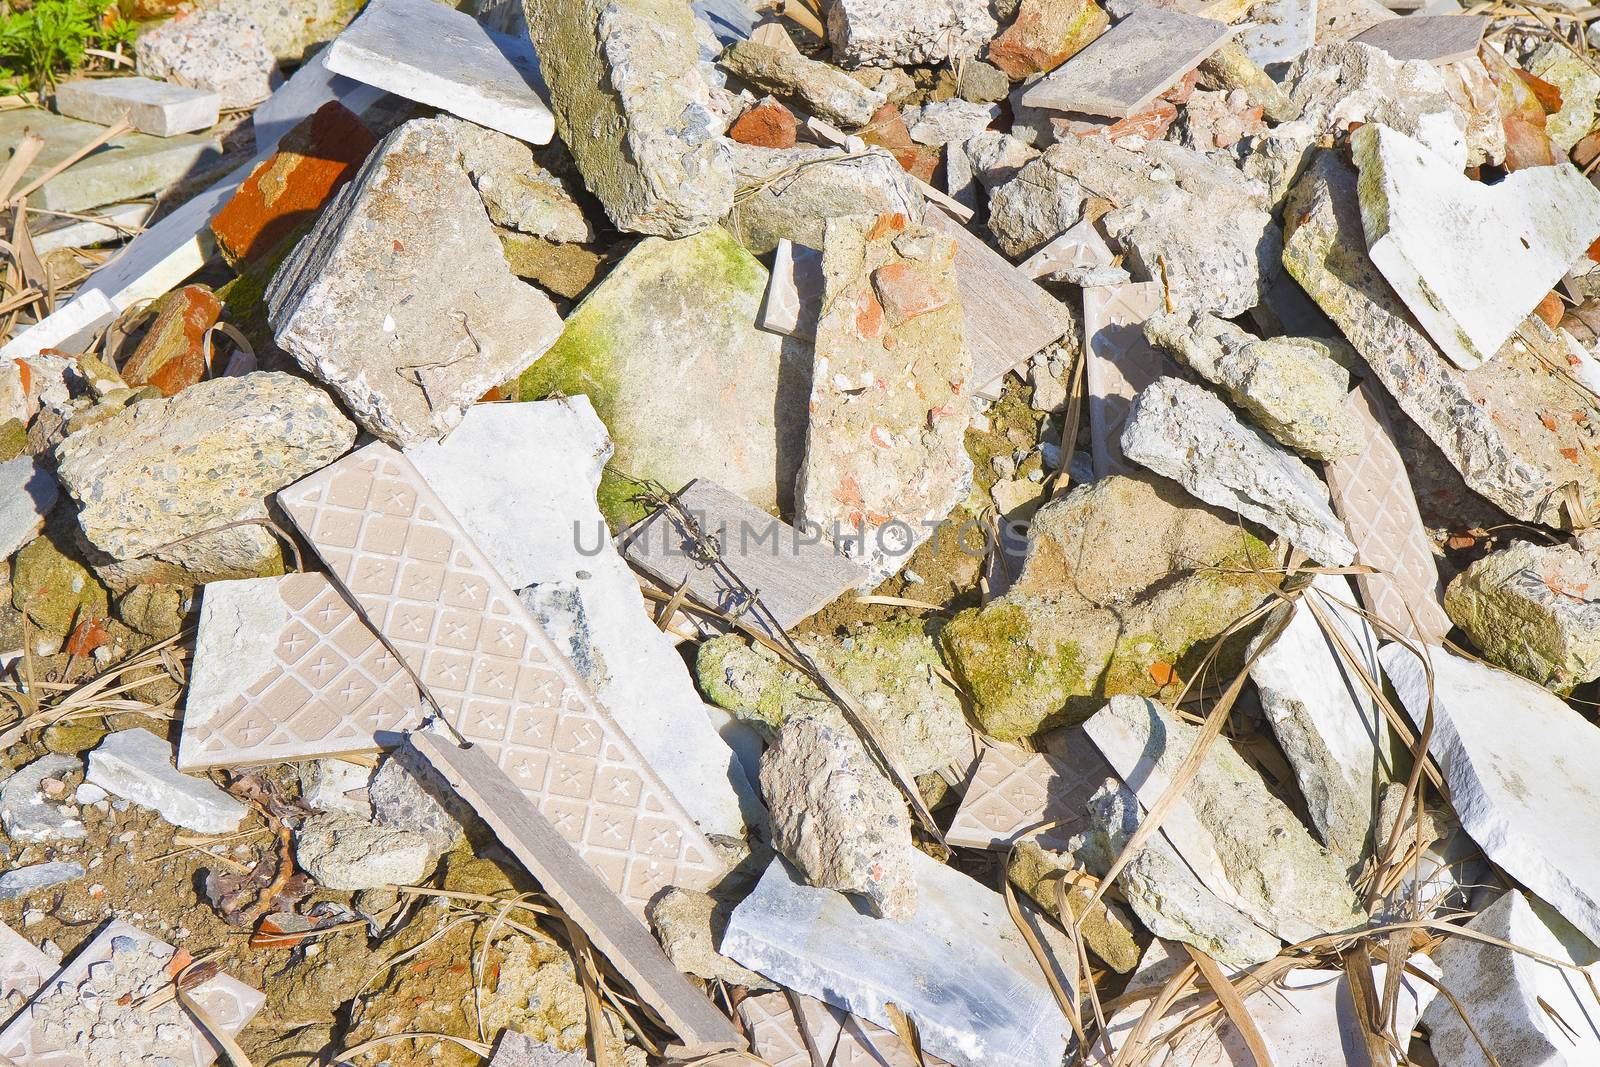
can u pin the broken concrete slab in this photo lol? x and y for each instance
(1279, 31)
(689, 925)
(1292, 387)
(633, 105)
(101, 1008)
(358, 292)
(1342, 84)
(794, 572)
(823, 88)
(519, 193)
(26, 813)
(522, 478)
(1128, 66)
(880, 33)
(683, 312)
(1317, 683)
(145, 479)
(1165, 892)
(1432, 38)
(136, 765)
(520, 1050)
(1371, 492)
(1124, 580)
(1183, 432)
(1470, 284)
(493, 671)
(1530, 608)
(942, 122)
(960, 968)
(1540, 836)
(792, 192)
(436, 55)
(128, 166)
(285, 669)
(28, 492)
(157, 108)
(836, 817)
(1243, 843)
(1013, 791)
(1490, 422)
(579, 892)
(1526, 1010)
(890, 369)
(215, 50)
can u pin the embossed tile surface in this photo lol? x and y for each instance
(50, 1031)
(1121, 363)
(286, 669)
(1013, 789)
(493, 672)
(843, 1040)
(1372, 493)
(23, 969)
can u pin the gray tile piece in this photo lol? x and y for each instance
(959, 968)
(1435, 38)
(154, 107)
(1126, 68)
(433, 54)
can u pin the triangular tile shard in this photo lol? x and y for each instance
(1014, 791)
(285, 669)
(427, 589)
(1469, 260)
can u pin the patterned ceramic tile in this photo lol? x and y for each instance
(1121, 363)
(842, 1039)
(493, 672)
(327, 685)
(1013, 789)
(61, 1025)
(1372, 493)
(23, 969)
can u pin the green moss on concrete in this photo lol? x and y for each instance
(51, 584)
(1017, 687)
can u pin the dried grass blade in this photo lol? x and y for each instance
(122, 126)
(1233, 1005)
(1357, 963)
(906, 1030)
(22, 157)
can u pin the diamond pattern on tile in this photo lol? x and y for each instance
(494, 674)
(23, 969)
(1013, 789)
(1372, 493)
(842, 1039)
(334, 688)
(1121, 364)
(227, 1001)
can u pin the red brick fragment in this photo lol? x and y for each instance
(1550, 309)
(906, 292)
(172, 355)
(313, 161)
(767, 125)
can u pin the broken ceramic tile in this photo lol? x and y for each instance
(1371, 492)
(1522, 794)
(522, 480)
(136, 765)
(69, 329)
(1013, 791)
(1121, 364)
(842, 1039)
(794, 572)
(794, 291)
(436, 55)
(439, 604)
(23, 969)
(1470, 283)
(960, 968)
(1131, 64)
(95, 1012)
(285, 669)
(1435, 38)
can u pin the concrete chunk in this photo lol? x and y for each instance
(1469, 260)
(410, 316)
(960, 968)
(884, 33)
(136, 765)
(633, 104)
(823, 88)
(220, 51)
(1183, 432)
(153, 107)
(436, 55)
(1531, 609)
(790, 193)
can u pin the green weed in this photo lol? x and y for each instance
(47, 38)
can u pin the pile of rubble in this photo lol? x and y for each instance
(880, 531)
